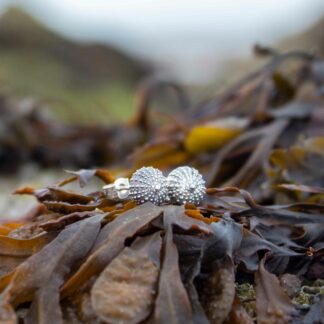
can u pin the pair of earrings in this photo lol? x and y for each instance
(183, 185)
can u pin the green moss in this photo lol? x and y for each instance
(245, 291)
(246, 294)
(308, 291)
(303, 299)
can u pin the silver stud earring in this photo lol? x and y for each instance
(186, 185)
(148, 184)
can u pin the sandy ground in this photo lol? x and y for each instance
(14, 206)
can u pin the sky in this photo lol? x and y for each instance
(189, 38)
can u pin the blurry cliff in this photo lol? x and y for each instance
(310, 40)
(73, 77)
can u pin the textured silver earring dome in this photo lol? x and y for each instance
(186, 185)
(148, 184)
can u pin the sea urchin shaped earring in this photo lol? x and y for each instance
(148, 184)
(186, 185)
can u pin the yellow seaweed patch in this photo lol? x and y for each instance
(206, 138)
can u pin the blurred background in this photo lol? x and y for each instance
(89, 55)
(81, 61)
